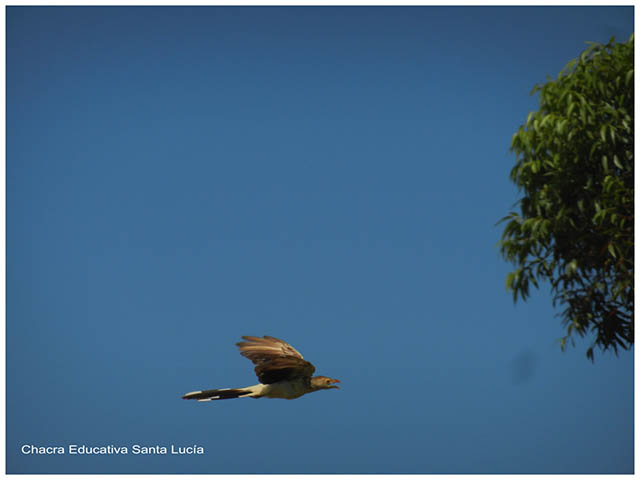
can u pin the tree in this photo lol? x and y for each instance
(574, 166)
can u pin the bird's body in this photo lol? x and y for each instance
(281, 369)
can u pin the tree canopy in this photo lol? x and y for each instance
(574, 167)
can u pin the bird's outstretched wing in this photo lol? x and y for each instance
(275, 359)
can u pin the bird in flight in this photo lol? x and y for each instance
(282, 371)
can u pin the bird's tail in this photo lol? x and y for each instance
(218, 394)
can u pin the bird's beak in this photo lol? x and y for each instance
(335, 381)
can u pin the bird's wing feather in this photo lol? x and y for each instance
(266, 346)
(275, 359)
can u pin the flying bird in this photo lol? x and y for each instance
(282, 371)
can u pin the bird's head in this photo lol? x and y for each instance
(322, 383)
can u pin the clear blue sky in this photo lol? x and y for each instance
(179, 177)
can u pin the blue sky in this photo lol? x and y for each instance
(179, 177)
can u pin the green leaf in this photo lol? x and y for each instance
(616, 161)
(625, 124)
(612, 250)
(560, 126)
(529, 118)
(536, 125)
(509, 281)
(601, 88)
